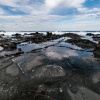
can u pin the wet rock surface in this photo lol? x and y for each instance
(48, 80)
(60, 71)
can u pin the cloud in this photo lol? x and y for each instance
(49, 22)
(30, 18)
(46, 7)
(80, 25)
(20, 5)
(38, 8)
(87, 10)
(51, 4)
(41, 15)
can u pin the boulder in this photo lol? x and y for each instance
(89, 34)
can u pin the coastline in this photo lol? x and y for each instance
(60, 65)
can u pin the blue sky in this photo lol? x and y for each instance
(49, 15)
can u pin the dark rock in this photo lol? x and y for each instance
(71, 35)
(96, 53)
(96, 36)
(49, 34)
(89, 34)
(97, 50)
(7, 45)
(37, 38)
(17, 35)
(82, 43)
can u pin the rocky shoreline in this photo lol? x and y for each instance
(36, 78)
(9, 45)
(64, 69)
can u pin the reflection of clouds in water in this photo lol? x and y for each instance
(29, 47)
(33, 46)
(59, 53)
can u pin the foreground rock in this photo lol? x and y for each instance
(35, 77)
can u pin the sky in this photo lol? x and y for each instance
(50, 15)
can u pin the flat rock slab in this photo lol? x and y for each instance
(12, 70)
(5, 63)
(28, 62)
(23, 76)
(49, 71)
(37, 61)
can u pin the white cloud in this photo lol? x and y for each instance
(50, 5)
(20, 5)
(30, 18)
(49, 22)
(38, 8)
(87, 16)
(39, 15)
(80, 25)
(11, 3)
(87, 10)
(63, 3)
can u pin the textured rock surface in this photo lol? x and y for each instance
(53, 73)
(12, 70)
